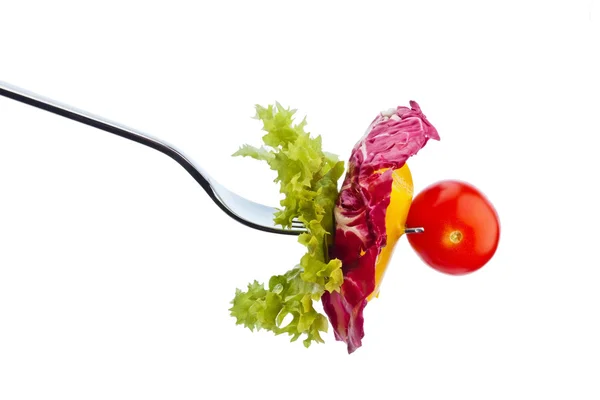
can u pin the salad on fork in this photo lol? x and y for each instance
(351, 234)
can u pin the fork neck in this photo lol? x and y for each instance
(95, 121)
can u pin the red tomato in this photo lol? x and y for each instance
(461, 227)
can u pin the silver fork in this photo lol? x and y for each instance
(249, 213)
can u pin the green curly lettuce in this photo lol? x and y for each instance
(308, 179)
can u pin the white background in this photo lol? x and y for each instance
(116, 270)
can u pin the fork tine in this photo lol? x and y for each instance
(409, 231)
(298, 230)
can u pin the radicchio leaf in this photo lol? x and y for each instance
(360, 211)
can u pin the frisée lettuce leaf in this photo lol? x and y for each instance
(308, 179)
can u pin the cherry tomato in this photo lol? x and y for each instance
(462, 229)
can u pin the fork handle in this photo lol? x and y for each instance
(84, 117)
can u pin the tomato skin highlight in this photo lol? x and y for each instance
(462, 228)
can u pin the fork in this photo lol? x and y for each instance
(247, 212)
